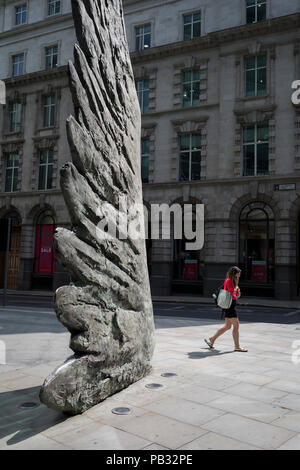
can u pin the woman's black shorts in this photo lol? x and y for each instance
(230, 312)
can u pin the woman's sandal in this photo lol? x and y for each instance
(209, 344)
(241, 350)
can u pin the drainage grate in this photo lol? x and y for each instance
(168, 374)
(154, 385)
(28, 405)
(122, 410)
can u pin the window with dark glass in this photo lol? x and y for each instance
(190, 157)
(191, 88)
(21, 14)
(17, 65)
(191, 26)
(51, 57)
(45, 169)
(53, 7)
(15, 117)
(49, 111)
(143, 37)
(256, 150)
(143, 88)
(145, 160)
(256, 75)
(257, 243)
(11, 172)
(256, 10)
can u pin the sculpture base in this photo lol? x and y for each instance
(83, 381)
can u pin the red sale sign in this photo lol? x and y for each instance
(190, 269)
(44, 256)
(259, 271)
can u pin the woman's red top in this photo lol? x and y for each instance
(229, 286)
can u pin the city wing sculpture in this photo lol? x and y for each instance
(107, 307)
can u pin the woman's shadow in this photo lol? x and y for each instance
(209, 352)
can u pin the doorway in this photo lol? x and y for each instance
(13, 253)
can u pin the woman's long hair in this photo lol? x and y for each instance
(232, 272)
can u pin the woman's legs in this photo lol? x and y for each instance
(222, 330)
(236, 334)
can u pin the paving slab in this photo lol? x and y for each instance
(99, 436)
(285, 386)
(213, 441)
(265, 436)
(290, 401)
(264, 394)
(291, 444)
(254, 409)
(290, 420)
(162, 430)
(196, 393)
(184, 411)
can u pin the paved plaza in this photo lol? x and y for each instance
(218, 399)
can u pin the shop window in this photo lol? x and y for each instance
(187, 264)
(257, 243)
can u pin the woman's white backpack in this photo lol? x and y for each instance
(224, 299)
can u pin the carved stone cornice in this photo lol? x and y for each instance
(45, 141)
(219, 38)
(50, 20)
(259, 113)
(39, 76)
(190, 125)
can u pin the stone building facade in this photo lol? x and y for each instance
(36, 42)
(218, 128)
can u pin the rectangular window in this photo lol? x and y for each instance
(256, 75)
(17, 65)
(53, 7)
(256, 10)
(142, 87)
(11, 173)
(15, 117)
(191, 26)
(46, 169)
(51, 57)
(49, 111)
(256, 150)
(190, 157)
(145, 160)
(143, 37)
(21, 14)
(191, 88)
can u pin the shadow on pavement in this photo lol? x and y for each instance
(21, 322)
(210, 352)
(20, 424)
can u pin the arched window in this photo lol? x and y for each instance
(44, 253)
(257, 243)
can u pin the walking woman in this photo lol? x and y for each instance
(231, 284)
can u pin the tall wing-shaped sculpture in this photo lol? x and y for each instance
(107, 308)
